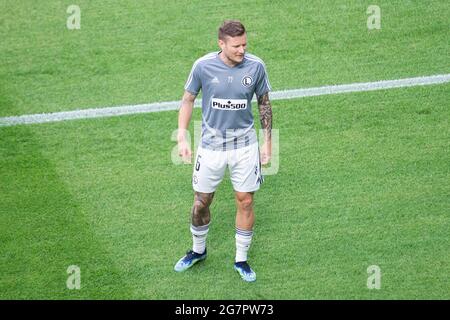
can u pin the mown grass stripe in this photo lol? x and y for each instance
(174, 105)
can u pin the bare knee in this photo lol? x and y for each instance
(244, 202)
(202, 201)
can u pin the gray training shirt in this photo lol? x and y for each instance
(227, 119)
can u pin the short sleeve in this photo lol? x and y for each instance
(262, 85)
(193, 83)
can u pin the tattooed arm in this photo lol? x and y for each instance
(265, 116)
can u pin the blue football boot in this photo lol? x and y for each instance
(244, 270)
(189, 260)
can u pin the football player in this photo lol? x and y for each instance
(228, 80)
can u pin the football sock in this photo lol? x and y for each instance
(243, 241)
(199, 238)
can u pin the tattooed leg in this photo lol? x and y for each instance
(200, 210)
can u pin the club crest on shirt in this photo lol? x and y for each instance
(247, 81)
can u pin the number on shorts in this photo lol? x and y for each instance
(197, 164)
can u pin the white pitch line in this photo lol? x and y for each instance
(174, 105)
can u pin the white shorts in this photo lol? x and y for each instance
(243, 163)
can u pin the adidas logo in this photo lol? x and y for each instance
(215, 80)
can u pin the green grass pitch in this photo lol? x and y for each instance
(363, 177)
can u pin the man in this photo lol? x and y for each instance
(228, 80)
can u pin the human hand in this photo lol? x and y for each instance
(184, 151)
